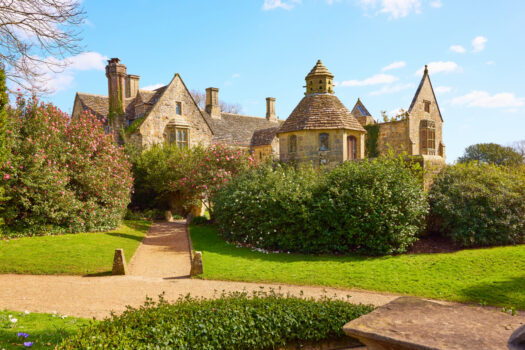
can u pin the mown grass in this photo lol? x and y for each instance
(71, 254)
(45, 330)
(491, 276)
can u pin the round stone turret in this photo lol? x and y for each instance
(319, 80)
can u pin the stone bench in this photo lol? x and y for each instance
(415, 324)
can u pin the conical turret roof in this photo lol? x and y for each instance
(318, 70)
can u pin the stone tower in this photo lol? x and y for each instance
(319, 80)
(116, 74)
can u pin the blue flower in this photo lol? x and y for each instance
(28, 344)
(21, 334)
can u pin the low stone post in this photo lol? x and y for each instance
(196, 264)
(168, 215)
(119, 263)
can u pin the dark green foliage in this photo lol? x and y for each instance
(374, 207)
(200, 220)
(4, 102)
(492, 153)
(371, 140)
(134, 125)
(233, 321)
(480, 204)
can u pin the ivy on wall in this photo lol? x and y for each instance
(371, 147)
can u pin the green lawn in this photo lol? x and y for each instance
(45, 330)
(71, 254)
(492, 276)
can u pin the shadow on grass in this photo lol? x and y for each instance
(140, 225)
(508, 293)
(98, 274)
(124, 235)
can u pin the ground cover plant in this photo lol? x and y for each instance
(262, 320)
(480, 204)
(70, 254)
(62, 175)
(372, 207)
(493, 276)
(36, 330)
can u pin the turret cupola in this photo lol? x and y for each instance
(319, 80)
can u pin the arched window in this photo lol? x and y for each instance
(293, 144)
(352, 147)
(324, 144)
(427, 137)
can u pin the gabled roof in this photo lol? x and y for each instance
(264, 137)
(360, 110)
(237, 129)
(98, 105)
(416, 95)
(320, 111)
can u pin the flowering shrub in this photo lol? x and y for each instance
(182, 178)
(479, 204)
(374, 207)
(232, 321)
(62, 175)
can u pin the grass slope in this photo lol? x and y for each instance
(492, 276)
(71, 254)
(45, 330)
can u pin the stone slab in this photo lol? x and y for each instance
(417, 324)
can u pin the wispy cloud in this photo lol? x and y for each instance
(436, 4)
(377, 79)
(152, 87)
(440, 66)
(390, 89)
(442, 89)
(490, 63)
(486, 100)
(458, 49)
(279, 4)
(395, 65)
(478, 44)
(236, 75)
(394, 8)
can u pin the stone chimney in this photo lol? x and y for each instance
(132, 85)
(270, 109)
(212, 102)
(116, 74)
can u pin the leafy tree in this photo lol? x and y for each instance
(491, 153)
(4, 101)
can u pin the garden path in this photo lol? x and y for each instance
(161, 264)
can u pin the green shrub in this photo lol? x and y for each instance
(374, 207)
(480, 204)
(233, 321)
(200, 220)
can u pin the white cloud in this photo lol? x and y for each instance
(390, 89)
(486, 100)
(396, 112)
(395, 65)
(236, 75)
(61, 74)
(440, 66)
(458, 49)
(395, 8)
(490, 62)
(478, 44)
(442, 89)
(283, 4)
(436, 4)
(152, 87)
(373, 80)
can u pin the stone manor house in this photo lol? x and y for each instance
(319, 130)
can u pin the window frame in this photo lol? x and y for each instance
(292, 144)
(427, 137)
(177, 132)
(327, 139)
(178, 108)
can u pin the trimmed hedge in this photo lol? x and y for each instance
(479, 204)
(372, 207)
(233, 321)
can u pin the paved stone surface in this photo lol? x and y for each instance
(164, 252)
(417, 324)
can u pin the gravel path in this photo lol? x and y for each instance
(161, 265)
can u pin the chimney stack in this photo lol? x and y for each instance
(116, 74)
(270, 109)
(132, 85)
(212, 102)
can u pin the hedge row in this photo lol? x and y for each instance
(233, 321)
(372, 207)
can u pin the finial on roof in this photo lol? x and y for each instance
(358, 99)
(426, 69)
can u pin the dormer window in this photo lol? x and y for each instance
(427, 106)
(178, 108)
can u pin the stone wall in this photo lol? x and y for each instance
(153, 130)
(308, 146)
(394, 135)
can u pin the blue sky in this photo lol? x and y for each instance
(254, 49)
